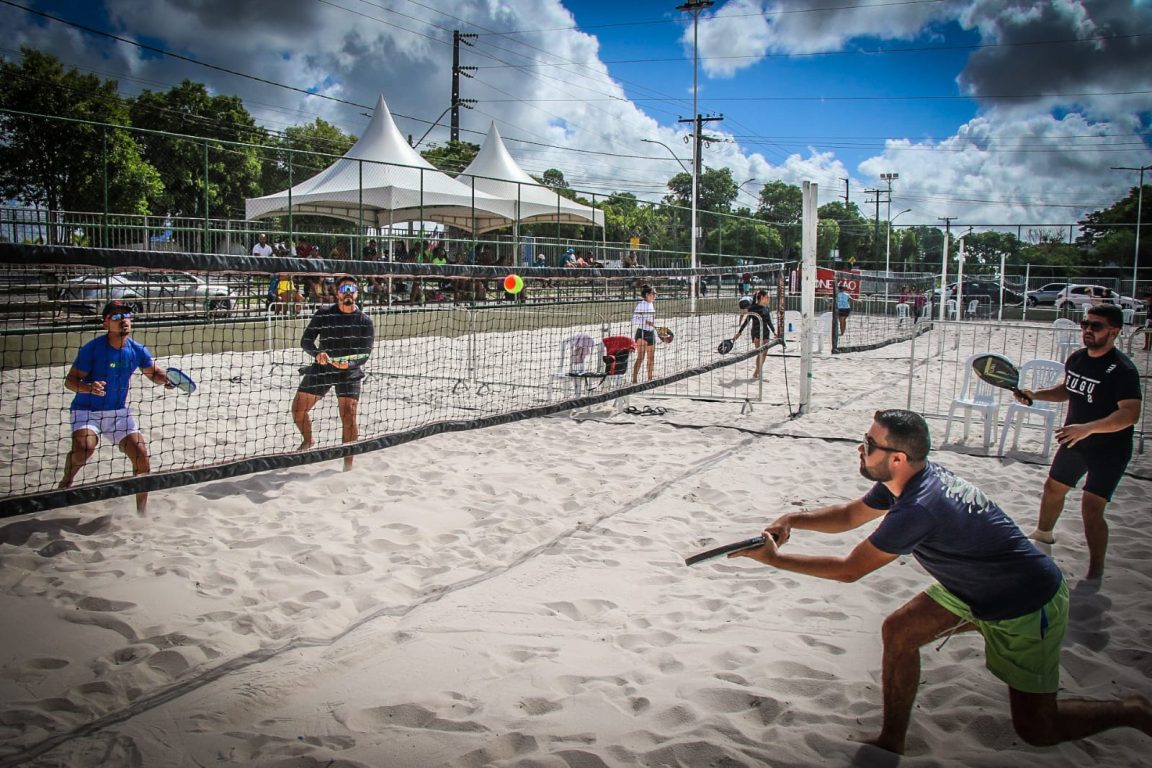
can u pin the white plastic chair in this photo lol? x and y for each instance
(902, 313)
(973, 309)
(1129, 316)
(823, 330)
(950, 310)
(574, 353)
(1034, 375)
(979, 396)
(1066, 341)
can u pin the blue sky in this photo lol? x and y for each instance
(996, 113)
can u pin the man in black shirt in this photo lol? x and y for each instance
(337, 331)
(1102, 389)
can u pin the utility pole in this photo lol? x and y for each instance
(845, 192)
(944, 269)
(698, 139)
(459, 38)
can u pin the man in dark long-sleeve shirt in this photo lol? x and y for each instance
(339, 339)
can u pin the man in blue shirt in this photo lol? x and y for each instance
(989, 578)
(100, 377)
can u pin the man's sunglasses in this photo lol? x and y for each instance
(1093, 325)
(119, 316)
(871, 445)
(348, 288)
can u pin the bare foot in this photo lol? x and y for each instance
(347, 463)
(305, 445)
(882, 743)
(1141, 712)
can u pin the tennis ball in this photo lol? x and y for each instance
(513, 283)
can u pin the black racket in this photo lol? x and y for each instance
(179, 380)
(725, 346)
(735, 546)
(999, 371)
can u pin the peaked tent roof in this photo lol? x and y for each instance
(495, 172)
(382, 180)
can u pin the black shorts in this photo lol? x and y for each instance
(318, 379)
(648, 337)
(1104, 470)
(844, 312)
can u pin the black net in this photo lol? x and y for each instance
(450, 349)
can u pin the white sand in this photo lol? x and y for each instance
(517, 596)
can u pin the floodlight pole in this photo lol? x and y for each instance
(1139, 211)
(695, 7)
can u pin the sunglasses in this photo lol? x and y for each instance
(871, 445)
(119, 316)
(348, 288)
(1093, 325)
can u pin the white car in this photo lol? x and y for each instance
(148, 293)
(1078, 296)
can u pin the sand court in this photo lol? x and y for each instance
(516, 596)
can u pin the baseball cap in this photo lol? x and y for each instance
(115, 307)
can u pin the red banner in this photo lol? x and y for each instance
(825, 280)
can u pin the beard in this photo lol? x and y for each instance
(880, 474)
(1094, 341)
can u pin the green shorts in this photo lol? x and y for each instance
(1023, 652)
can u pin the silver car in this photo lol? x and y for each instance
(148, 293)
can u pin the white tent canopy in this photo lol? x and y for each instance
(494, 172)
(382, 180)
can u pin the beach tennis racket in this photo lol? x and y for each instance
(177, 379)
(999, 371)
(725, 346)
(349, 358)
(720, 551)
(665, 334)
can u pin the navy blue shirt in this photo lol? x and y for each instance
(966, 542)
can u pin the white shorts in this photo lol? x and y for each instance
(117, 424)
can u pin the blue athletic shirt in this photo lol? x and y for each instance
(103, 362)
(966, 542)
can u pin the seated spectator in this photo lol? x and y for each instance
(371, 252)
(569, 259)
(590, 261)
(630, 261)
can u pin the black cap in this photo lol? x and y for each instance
(115, 307)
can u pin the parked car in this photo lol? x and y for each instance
(1076, 296)
(1045, 294)
(987, 291)
(148, 293)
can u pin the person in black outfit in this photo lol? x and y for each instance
(335, 331)
(1102, 389)
(757, 314)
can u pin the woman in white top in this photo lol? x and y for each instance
(644, 331)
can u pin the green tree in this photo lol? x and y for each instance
(64, 166)
(827, 237)
(233, 171)
(855, 236)
(782, 205)
(453, 157)
(984, 249)
(625, 216)
(1109, 236)
(717, 189)
(308, 148)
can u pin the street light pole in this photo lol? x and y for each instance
(695, 7)
(888, 246)
(889, 177)
(670, 151)
(1139, 210)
